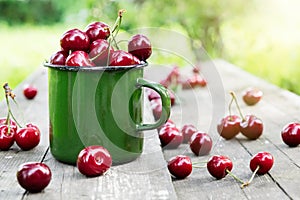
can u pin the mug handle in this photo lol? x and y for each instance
(165, 100)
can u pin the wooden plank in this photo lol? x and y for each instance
(145, 178)
(201, 108)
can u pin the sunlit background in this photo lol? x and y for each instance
(260, 36)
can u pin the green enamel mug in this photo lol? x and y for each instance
(99, 106)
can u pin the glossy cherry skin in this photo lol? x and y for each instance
(252, 96)
(169, 123)
(139, 45)
(28, 137)
(218, 165)
(30, 92)
(93, 161)
(6, 137)
(229, 126)
(251, 127)
(262, 159)
(79, 58)
(170, 137)
(13, 124)
(290, 134)
(200, 143)
(187, 131)
(122, 58)
(100, 51)
(180, 166)
(34, 176)
(97, 30)
(75, 39)
(59, 58)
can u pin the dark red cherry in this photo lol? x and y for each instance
(94, 161)
(74, 40)
(28, 137)
(180, 166)
(100, 51)
(219, 165)
(30, 91)
(263, 160)
(79, 58)
(170, 137)
(229, 126)
(59, 58)
(122, 58)
(200, 143)
(290, 134)
(251, 127)
(34, 177)
(6, 137)
(187, 131)
(13, 125)
(97, 30)
(139, 45)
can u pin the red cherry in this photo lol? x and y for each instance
(154, 95)
(6, 137)
(13, 125)
(28, 137)
(229, 126)
(187, 131)
(252, 96)
(75, 39)
(99, 52)
(139, 45)
(97, 30)
(79, 58)
(290, 134)
(94, 161)
(251, 127)
(180, 166)
(34, 177)
(30, 92)
(156, 107)
(218, 166)
(194, 81)
(170, 137)
(263, 160)
(200, 143)
(169, 123)
(122, 58)
(59, 58)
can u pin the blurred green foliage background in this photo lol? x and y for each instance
(261, 37)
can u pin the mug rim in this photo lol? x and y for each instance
(94, 68)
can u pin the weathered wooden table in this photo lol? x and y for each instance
(148, 177)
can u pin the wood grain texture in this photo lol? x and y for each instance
(204, 107)
(145, 178)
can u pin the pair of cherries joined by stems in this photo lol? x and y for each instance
(97, 46)
(11, 131)
(249, 125)
(219, 166)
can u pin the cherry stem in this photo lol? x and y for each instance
(116, 28)
(9, 93)
(229, 107)
(237, 104)
(234, 176)
(251, 179)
